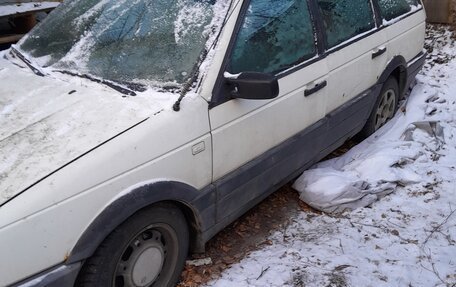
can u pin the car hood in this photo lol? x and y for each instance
(48, 122)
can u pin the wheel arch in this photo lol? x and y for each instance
(397, 68)
(184, 196)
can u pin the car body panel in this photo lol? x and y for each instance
(347, 61)
(243, 129)
(405, 37)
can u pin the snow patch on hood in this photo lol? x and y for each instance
(46, 122)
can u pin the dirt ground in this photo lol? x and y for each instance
(248, 233)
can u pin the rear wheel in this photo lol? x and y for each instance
(149, 249)
(384, 109)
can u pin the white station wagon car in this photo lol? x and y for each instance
(132, 131)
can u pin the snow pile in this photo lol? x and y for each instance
(406, 239)
(372, 169)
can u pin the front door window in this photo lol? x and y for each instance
(275, 35)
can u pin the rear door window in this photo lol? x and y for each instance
(391, 9)
(275, 35)
(345, 19)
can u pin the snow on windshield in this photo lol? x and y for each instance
(129, 41)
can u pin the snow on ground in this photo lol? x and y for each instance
(407, 238)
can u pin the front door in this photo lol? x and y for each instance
(275, 37)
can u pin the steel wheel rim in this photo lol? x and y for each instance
(386, 108)
(146, 255)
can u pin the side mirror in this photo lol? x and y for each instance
(253, 86)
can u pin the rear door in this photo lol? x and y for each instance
(275, 37)
(356, 55)
(354, 47)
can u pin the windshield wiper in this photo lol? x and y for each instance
(124, 88)
(15, 52)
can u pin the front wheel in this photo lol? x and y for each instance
(148, 249)
(384, 109)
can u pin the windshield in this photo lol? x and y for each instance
(156, 42)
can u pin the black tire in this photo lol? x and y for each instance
(157, 237)
(384, 109)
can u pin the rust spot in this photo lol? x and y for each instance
(67, 255)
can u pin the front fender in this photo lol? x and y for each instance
(201, 204)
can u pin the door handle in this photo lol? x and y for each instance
(315, 89)
(380, 51)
